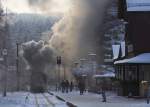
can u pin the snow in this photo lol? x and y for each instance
(140, 59)
(138, 5)
(139, 8)
(116, 49)
(95, 100)
(108, 74)
(18, 99)
(138, 1)
(123, 48)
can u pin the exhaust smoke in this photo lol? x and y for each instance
(78, 32)
(38, 56)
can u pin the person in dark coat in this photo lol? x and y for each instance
(63, 86)
(71, 86)
(104, 91)
(66, 86)
(104, 95)
(81, 86)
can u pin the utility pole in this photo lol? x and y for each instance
(5, 74)
(5, 53)
(17, 68)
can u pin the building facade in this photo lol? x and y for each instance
(134, 68)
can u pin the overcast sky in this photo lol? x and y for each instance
(38, 6)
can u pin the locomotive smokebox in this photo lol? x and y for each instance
(38, 82)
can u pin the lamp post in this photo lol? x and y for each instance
(4, 53)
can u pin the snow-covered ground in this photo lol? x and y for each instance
(95, 100)
(25, 99)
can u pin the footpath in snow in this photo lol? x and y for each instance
(95, 100)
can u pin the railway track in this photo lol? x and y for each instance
(47, 100)
(41, 100)
(36, 101)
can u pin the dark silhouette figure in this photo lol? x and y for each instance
(63, 86)
(104, 96)
(104, 91)
(81, 86)
(71, 86)
(148, 95)
(66, 86)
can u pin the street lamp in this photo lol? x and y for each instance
(4, 53)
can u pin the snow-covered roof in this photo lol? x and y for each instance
(141, 8)
(116, 49)
(138, 5)
(142, 58)
(123, 49)
(110, 75)
(84, 75)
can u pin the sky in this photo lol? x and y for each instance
(37, 6)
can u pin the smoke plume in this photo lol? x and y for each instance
(38, 54)
(40, 5)
(79, 32)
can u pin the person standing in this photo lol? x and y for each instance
(71, 86)
(81, 86)
(148, 94)
(63, 86)
(104, 95)
(104, 91)
(66, 86)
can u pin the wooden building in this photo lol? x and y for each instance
(134, 68)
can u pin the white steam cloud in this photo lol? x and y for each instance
(79, 31)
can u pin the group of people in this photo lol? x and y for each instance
(66, 86)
